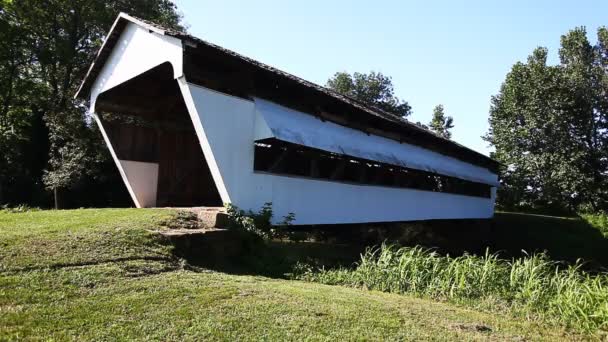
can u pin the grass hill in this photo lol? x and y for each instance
(106, 274)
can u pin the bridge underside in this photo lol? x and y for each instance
(147, 125)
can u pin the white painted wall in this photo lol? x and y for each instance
(227, 126)
(143, 178)
(137, 51)
(140, 178)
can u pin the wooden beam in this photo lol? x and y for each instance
(339, 170)
(275, 165)
(314, 167)
(362, 172)
(142, 121)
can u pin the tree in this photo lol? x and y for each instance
(373, 89)
(52, 46)
(19, 162)
(440, 123)
(549, 125)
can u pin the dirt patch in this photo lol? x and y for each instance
(183, 219)
(471, 327)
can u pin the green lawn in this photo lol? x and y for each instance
(106, 275)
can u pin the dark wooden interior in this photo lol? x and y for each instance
(146, 120)
(284, 158)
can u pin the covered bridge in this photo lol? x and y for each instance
(190, 123)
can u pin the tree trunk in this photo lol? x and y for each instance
(56, 196)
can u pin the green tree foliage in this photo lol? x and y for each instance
(373, 89)
(45, 50)
(441, 123)
(18, 110)
(549, 125)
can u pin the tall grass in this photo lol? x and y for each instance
(534, 286)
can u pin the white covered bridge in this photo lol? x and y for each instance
(189, 123)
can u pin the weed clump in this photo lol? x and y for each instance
(533, 286)
(21, 208)
(258, 223)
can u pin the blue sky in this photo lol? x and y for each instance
(454, 53)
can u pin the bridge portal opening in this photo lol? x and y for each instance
(148, 127)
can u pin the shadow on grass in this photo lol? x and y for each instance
(509, 234)
(564, 239)
(245, 254)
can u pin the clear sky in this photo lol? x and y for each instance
(454, 53)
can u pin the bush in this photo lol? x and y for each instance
(532, 286)
(21, 208)
(255, 230)
(259, 223)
